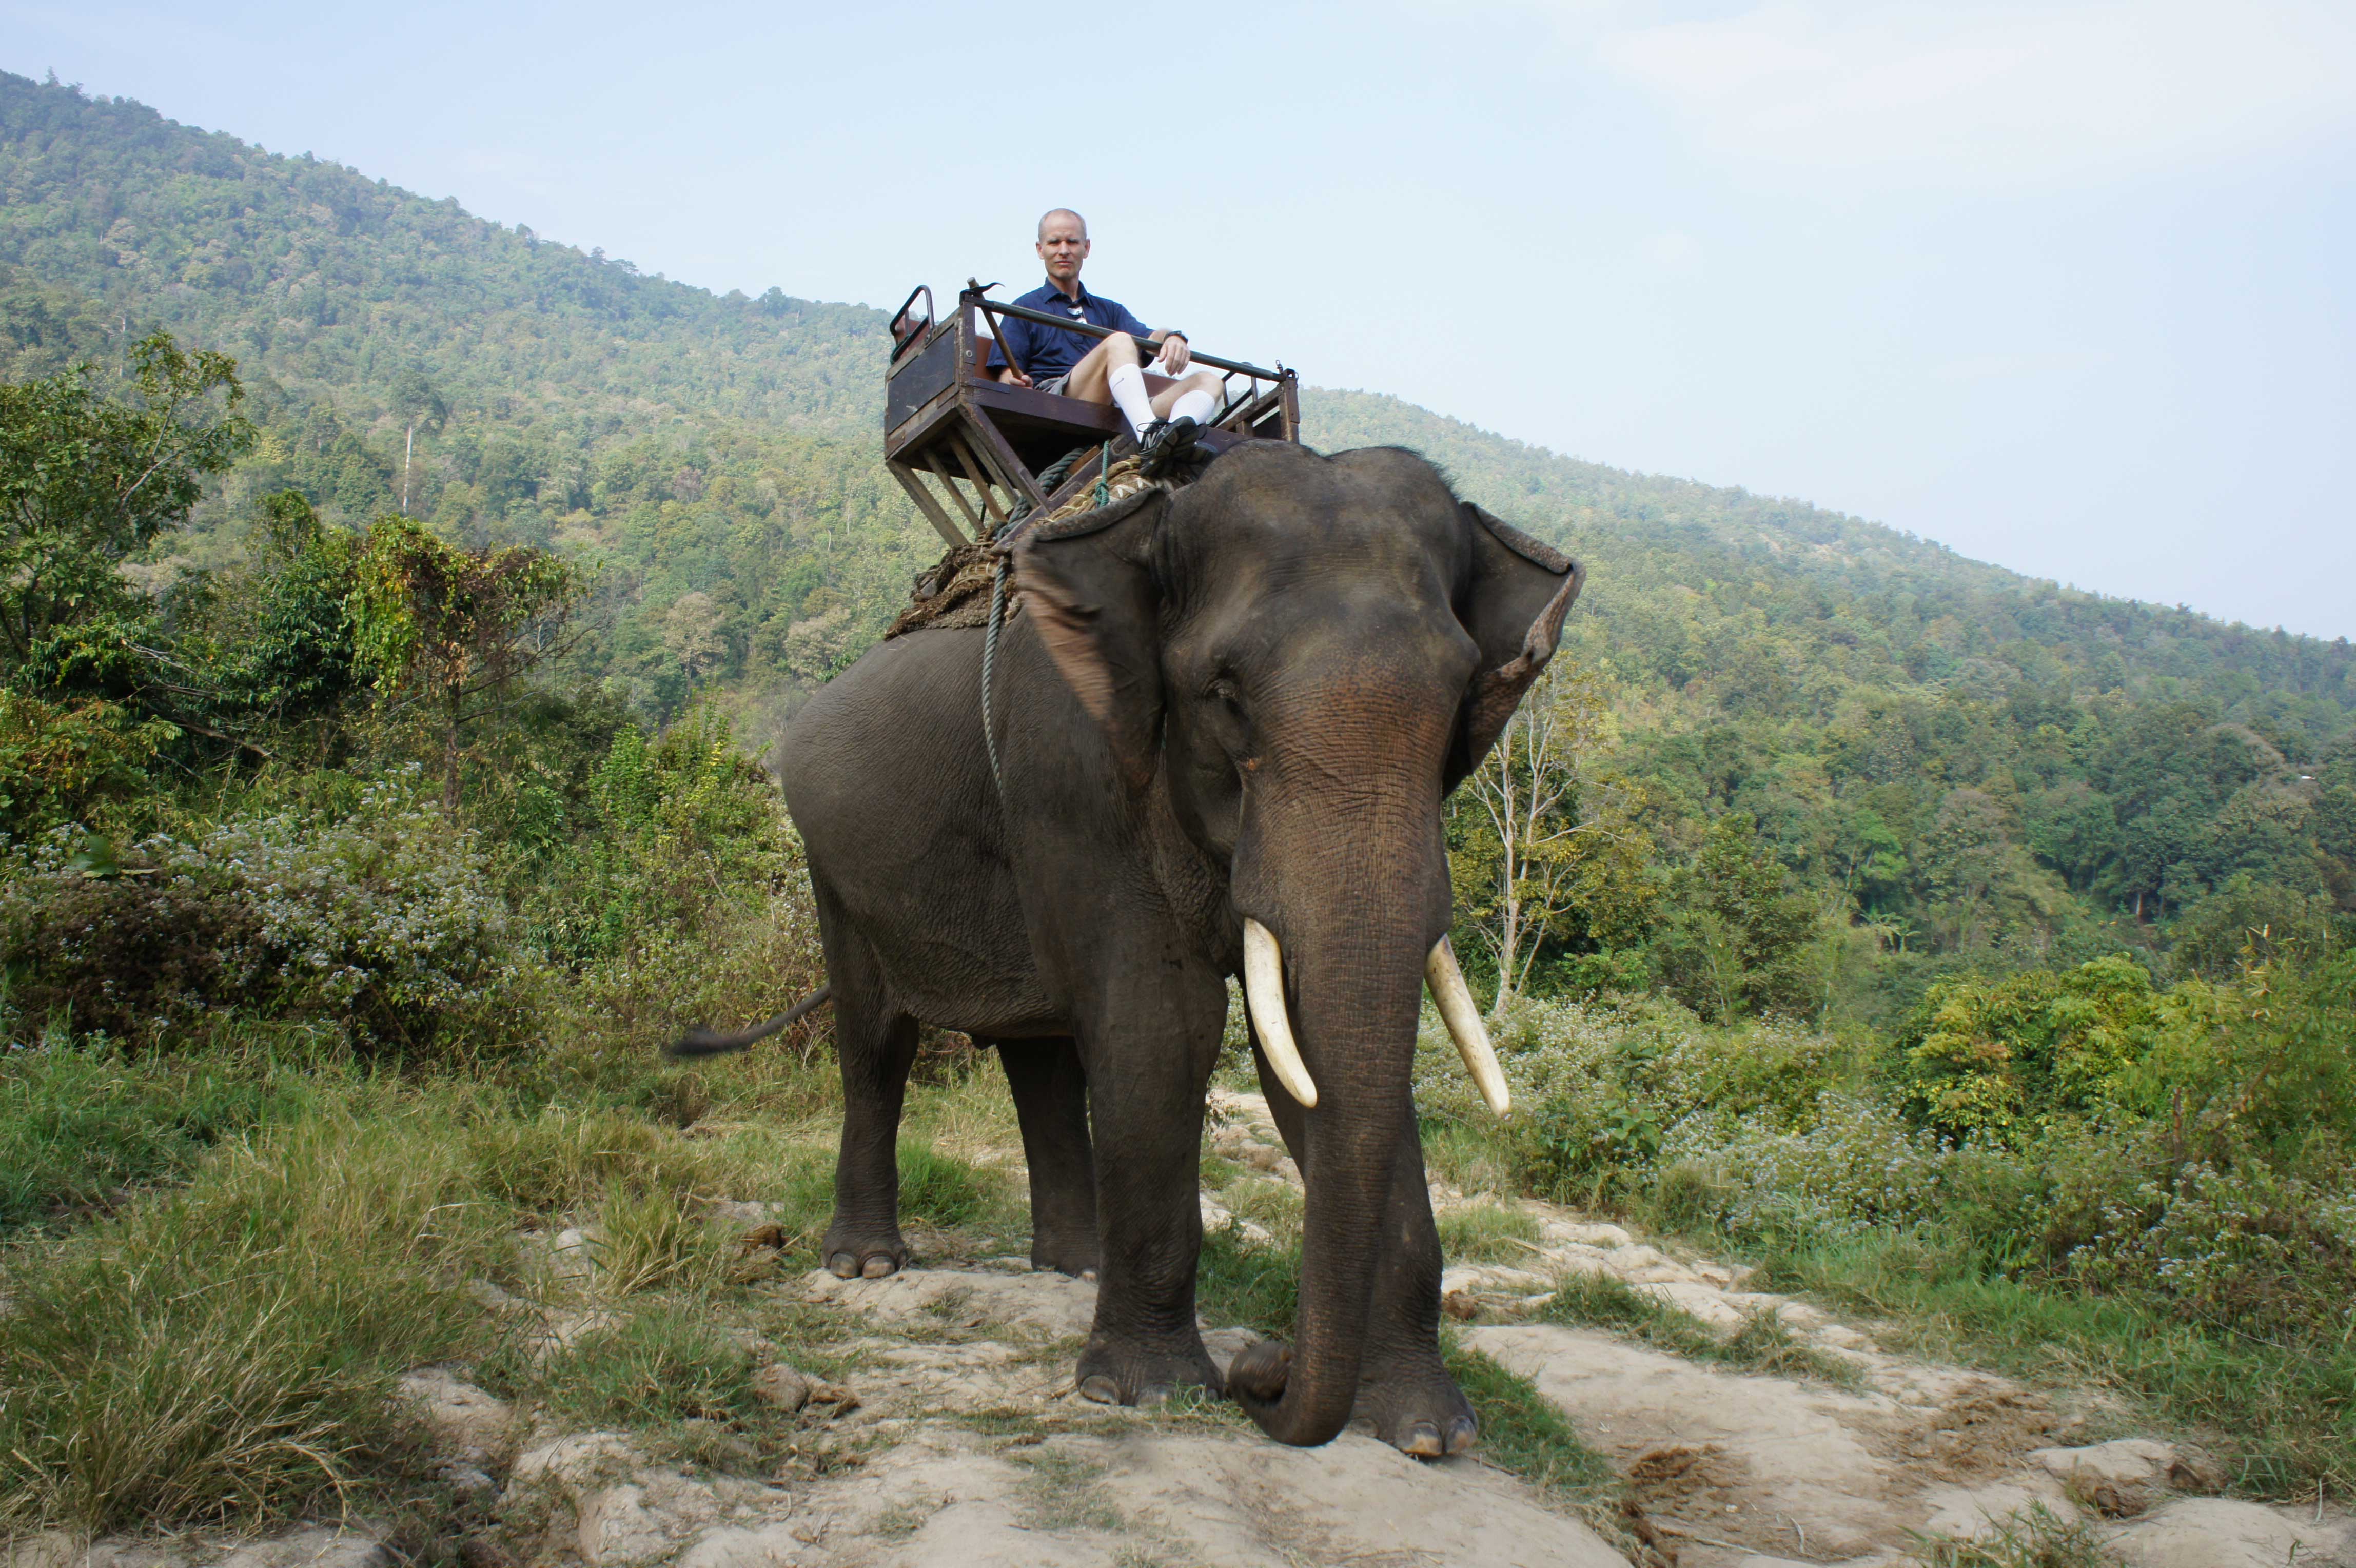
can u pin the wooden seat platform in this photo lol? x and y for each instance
(953, 431)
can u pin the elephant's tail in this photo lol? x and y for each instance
(701, 1042)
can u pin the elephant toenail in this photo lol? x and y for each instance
(1089, 1275)
(876, 1268)
(843, 1266)
(1462, 1435)
(1422, 1440)
(1155, 1394)
(1099, 1389)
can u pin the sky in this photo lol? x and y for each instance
(2066, 286)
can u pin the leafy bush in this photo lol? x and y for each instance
(684, 828)
(381, 920)
(58, 762)
(1997, 1058)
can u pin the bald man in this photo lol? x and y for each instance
(1103, 370)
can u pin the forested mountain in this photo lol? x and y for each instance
(1951, 763)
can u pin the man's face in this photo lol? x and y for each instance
(1062, 246)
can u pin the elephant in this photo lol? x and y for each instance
(1220, 732)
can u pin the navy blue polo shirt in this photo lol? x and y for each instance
(1046, 352)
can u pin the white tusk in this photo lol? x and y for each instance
(1464, 1025)
(1264, 997)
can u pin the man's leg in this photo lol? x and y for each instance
(1195, 398)
(1110, 372)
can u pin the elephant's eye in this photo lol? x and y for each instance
(1229, 695)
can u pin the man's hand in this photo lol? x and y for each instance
(1171, 361)
(1012, 377)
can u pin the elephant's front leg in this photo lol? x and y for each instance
(1404, 1392)
(1149, 1063)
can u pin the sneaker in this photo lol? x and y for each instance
(1164, 442)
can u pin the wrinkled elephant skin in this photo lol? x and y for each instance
(1244, 702)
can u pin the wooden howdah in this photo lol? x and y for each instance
(969, 448)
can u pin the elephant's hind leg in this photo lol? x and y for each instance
(1051, 1100)
(877, 1045)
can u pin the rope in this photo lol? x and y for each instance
(990, 659)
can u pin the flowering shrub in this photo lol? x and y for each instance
(381, 918)
(2242, 1242)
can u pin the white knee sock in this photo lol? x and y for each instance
(1195, 405)
(1128, 383)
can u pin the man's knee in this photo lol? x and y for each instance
(1201, 381)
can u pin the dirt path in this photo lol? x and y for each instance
(966, 1446)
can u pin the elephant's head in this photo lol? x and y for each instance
(1306, 654)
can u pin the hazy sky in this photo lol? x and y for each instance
(2067, 287)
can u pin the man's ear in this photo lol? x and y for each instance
(1088, 584)
(1513, 599)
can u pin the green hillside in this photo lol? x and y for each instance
(1937, 762)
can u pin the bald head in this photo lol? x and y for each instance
(1062, 246)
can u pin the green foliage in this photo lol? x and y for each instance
(2269, 1059)
(87, 482)
(673, 832)
(457, 627)
(272, 636)
(2000, 1058)
(60, 761)
(1736, 940)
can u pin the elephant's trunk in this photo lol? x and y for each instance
(1354, 928)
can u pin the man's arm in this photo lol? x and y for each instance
(1175, 350)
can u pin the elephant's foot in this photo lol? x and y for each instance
(852, 1253)
(1067, 1252)
(1113, 1373)
(1418, 1410)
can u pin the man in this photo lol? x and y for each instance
(1103, 370)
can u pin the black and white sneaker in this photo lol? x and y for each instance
(1164, 442)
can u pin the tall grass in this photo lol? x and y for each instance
(227, 1354)
(82, 1127)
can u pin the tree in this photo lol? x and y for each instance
(456, 627)
(87, 482)
(693, 633)
(416, 402)
(1738, 938)
(1551, 839)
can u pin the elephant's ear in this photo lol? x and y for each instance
(1514, 597)
(1088, 584)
